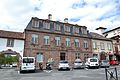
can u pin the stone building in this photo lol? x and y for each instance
(52, 41)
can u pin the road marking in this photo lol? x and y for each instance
(48, 71)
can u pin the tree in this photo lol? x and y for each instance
(2, 59)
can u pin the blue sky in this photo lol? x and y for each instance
(15, 14)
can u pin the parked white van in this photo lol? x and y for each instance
(92, 62)
(27, 64)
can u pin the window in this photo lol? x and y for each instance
(77, 43)
(51, 26)
(94, 45)
(41, 24)
(109, 46)
(34, 38)
(57, 27)
(36, 24)
(68, 42)
(84, 31)
(57, 41)
(67, 28)
(10, 42)
(102, 46)
(77, 55)
(85, 44)
(46, 40)
(76, 29)
(46, 25)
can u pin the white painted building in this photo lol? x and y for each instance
(12, 42)
(101, 47)
(114, 34)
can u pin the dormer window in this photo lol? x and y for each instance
(36, 24)
(57, 28)
(76, 29)
(84, 31)
(46, 25)
(67, 28)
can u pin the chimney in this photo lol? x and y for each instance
(50, 16)
(66, 20)
(101, 30)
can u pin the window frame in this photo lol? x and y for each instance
(10, 42)
(94, 45)
(57, 41)
(67, 42)
(85, 44)
(34, 39)
(46, 40)
(102, 45)
(77, 55)
(67, 28)
(77, 43)
(36, 23)
(46, 25)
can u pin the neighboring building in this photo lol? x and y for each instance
(102, 47)
(12, 43)
(52, 41)
(114, 34)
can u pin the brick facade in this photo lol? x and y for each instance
(53, 51)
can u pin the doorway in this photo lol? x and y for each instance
(62, 56)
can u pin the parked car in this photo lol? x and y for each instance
(114, 62)
(78, 64)
(92, 63)
(27, 64)
(63, 65)
(104, 63)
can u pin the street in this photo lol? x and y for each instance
(78, 74)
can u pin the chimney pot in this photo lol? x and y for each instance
(66, 20)
(50, 16)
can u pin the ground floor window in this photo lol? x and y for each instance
(95, 55)
(77, 55)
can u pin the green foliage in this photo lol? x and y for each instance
(8, 59)
(2, 58)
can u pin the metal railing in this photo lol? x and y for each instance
(111, 73)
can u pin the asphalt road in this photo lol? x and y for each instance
(79, 74)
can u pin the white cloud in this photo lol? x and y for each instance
(15, 14)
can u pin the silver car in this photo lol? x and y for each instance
(63, 65)
(104, 63)
(78, 64)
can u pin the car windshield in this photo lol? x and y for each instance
(93, 60)
(63, 61)
(28, 60)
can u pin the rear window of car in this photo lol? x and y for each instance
(93, 60)
(105, 61)
(63, 61)
(78, 62)
(28, 60)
